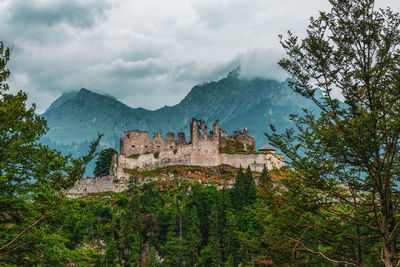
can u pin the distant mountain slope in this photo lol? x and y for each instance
(80, 117)
(75, 118)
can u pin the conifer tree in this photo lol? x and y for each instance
(193, 236)
(131, 240)
(211, 255)
(103, 162)
(231, 242)
(251, 186)
(346, 160)
(265, 179)
(111, 255)
(244, 189)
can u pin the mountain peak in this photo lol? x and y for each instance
(85, 91)
(88, 93)
(84, 95)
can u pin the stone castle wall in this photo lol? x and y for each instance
(95, 185)
(242, 136)
(185, 156)
(149, 161)
(138, 142)
(256, 162)
(203, 150)
(138, 151)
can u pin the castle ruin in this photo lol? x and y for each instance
(138, 151)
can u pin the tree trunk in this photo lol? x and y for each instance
(390, 253)
(389, 256)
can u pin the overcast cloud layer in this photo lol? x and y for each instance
(146, 53)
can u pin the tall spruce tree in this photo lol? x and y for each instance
(244, 190)
(231, 242)
(131, 240)
(193, 236)
(346, 160)
(103, 162)
(211, 254)
(265, 180)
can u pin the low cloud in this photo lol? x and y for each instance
(131, 69)
(200, 72)
(263, 63)
(145, 53)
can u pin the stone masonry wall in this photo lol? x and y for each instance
(256, 162)
(244, 137)
(185, 156)
(203, 150)
(95, 185)
(149, 161)
(138, 142)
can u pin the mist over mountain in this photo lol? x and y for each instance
(75, 118)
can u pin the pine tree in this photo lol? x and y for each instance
(345, 161)
(132, 226)
(111, 255)
(265, 180)
(193, 236)
(103, 162)
(211, 254)
(231, 242)
(214, 237)
(265, 187)
(244, 190)
(251, 187)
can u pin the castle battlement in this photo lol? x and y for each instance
(138, 151)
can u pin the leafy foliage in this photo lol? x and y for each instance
(33, 181)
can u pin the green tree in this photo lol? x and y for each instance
(266, 187)
(211, 255)
(33, 179)
(265, 180)
(344, 188)
(193, 235)
(131, 240)
(244, 190)
(231, 242)
(111, 255)
(103, 162)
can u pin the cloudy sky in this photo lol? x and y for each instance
(146, 53)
